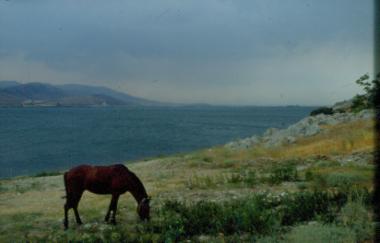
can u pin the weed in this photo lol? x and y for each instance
(250, 178)
(234, 178)
(204, 182)
(208, 159)
(283, 172)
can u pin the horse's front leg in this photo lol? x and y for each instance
(112, 207)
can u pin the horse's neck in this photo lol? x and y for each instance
(137, 195)
(137, 190)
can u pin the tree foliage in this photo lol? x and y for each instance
(366, 100)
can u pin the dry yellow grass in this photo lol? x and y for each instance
(339, 139)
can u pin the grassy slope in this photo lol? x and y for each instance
(32, 207)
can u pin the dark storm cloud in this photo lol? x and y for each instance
(213, 45)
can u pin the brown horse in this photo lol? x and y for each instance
(113, 179)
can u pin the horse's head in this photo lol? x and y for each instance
(143, 209)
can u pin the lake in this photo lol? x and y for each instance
(33, 140)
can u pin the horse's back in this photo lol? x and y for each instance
(75, 178)
(97, 179)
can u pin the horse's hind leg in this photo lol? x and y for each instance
(66, 221)
(75, 207)
(77, 218)
(72, 201)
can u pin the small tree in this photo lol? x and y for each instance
(366, 100)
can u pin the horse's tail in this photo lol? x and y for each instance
(65, 183)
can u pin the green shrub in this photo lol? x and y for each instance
(248, 215)
(309, 175)
(250, 178)
(322, 110)
(320, 233)
(343, 181)
(302, 186)
(319, 182)
(355, 216)
(261, 214)
(366, 100)
(234, 178)
(247, 177)
(283, 172)
(306, 205)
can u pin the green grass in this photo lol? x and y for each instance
(320, 233)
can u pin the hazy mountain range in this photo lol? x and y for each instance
(15, 94)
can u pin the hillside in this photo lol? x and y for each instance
(14, 94)
(314, 187)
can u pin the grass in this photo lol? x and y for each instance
(48, 173)
(220, 182)
(320, 233)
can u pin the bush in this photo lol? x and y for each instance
(250, 178)
(208, 159)
(355, 216)
(261, 214)
(251, 215)
(235, 178)
(284, 172)
(322, 110)
(309, 175)
(360, 102)
(367, 100)
(342, 181)
(306, 205)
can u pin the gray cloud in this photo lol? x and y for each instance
(223, 52)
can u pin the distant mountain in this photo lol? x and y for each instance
(35, 91)
(9, 100)
(6, 84)
(15, 94)
(90, 100)
(80, 90)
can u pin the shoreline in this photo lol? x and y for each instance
(272, 137)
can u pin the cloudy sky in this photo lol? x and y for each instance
(236, 52)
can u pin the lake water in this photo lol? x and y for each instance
(33, 140)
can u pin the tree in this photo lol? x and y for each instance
(366, 100)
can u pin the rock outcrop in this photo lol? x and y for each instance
(309, 126)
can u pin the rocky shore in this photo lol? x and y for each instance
(309, 126)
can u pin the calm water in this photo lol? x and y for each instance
(48, 139)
